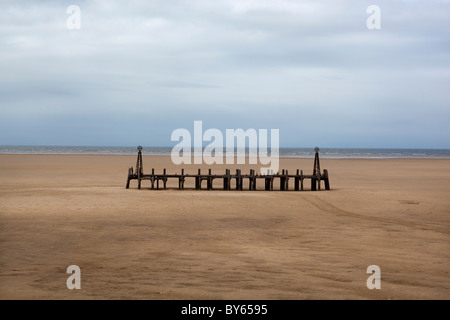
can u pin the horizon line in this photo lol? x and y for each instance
(159, 146)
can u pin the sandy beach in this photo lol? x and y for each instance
(62, 210)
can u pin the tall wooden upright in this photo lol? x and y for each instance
(315, 181)
(139, 168)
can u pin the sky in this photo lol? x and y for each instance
(135, 71)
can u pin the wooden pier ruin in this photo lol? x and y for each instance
(159, 180)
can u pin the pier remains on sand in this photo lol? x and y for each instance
(158, 180)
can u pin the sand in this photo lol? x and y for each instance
(61, 210)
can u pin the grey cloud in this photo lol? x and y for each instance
(268, 62)
(179, 84)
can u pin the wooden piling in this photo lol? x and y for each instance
(181, 180)
(227, 180)
(287, 180)
(313, 183)
(130, 175)
(238, 179)
(197, 180)
(164, 179)
(152, 179)
(254, 179)
(301, 180)
(209, 180)
(326, 179)
(282, 181)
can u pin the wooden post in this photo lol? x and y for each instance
(198, 181)
(318, 181)
(209, 180)
(153, 178)
(226, 180)
(139, 168)
(181, 180)
(238, 179)
(326, 179)
(301, 179)
(282, 181)
(251, 180)
(139, 179)
(296, 180)
(164, 179)
(130, 175)
(287, 180)
(316, 171)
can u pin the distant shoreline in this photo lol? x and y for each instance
(168, 156)
(297, 153)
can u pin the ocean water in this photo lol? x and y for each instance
(329, 153)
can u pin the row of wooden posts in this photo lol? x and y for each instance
(159, 181)
(284, 177)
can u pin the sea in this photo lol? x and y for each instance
(329, 153)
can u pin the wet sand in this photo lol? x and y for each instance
(61, 210)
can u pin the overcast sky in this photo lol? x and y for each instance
(137, 70)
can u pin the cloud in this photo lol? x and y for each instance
(275, 64)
